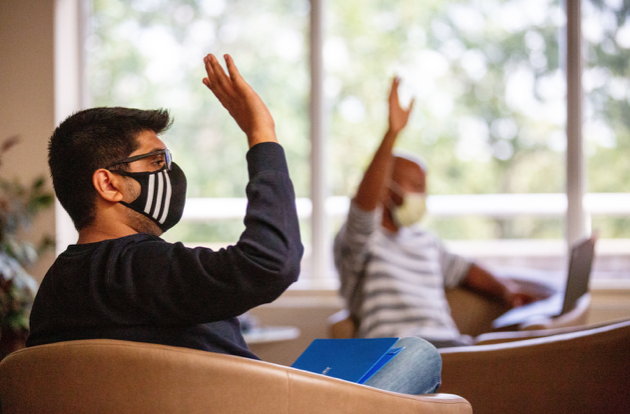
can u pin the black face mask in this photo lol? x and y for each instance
(162, 195)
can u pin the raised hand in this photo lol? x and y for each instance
(398, 116)
(241, 101)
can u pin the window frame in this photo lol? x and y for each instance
(71, 18)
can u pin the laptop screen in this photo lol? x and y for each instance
(580, 265)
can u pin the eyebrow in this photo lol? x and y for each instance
(151, 150)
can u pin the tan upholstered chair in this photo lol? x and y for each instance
(107, 376)
(474, 313)
(587, 371)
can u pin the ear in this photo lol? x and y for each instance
(108, 185)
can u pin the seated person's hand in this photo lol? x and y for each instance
(517, 294)
(516, 299)
(512, 292)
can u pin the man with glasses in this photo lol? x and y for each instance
(120, 186)
(122, 189)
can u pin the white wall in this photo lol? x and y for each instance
(27, 99)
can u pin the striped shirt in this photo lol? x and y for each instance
(394, 282)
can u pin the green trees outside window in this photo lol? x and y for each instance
(487, 76)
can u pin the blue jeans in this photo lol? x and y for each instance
(417, 369)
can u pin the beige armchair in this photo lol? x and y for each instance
(587, 371)
(107, 376)
(473, 314)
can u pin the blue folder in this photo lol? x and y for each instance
(353, 360)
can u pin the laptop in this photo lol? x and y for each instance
(580, 264)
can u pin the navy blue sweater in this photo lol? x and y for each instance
(142, 288)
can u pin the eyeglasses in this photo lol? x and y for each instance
(163, 155)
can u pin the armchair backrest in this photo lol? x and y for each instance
(473, 314)
(107, 376)
(581, 372)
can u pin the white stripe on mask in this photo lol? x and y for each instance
(147, 207)
(158, 199)
(167, 197)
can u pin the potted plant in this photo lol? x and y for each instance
(18, 206)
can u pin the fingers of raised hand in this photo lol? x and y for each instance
(232, 69)
(217, 80)
(393, 93)
(206, 62)
(395, 83)
(413, 100)
(218, 70)
(238, 82)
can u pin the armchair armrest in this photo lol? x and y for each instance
(503, 337)
(575, 317)
(579, 372)
(95, 376)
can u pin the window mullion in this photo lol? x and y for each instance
(319, 189)
(576, 219)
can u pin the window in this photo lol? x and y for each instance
(490, 116)
(148, 54)
(606, 33)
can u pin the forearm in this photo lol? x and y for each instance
(482, 281)
(373, 183)
(258, 137)
(379, 172)
(266, 259)
(272, 235)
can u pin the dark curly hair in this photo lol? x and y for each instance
(92, 139)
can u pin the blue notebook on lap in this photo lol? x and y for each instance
(353, 360)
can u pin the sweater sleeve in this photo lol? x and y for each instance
(454, 267)
(169, 283)
(351, 252)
